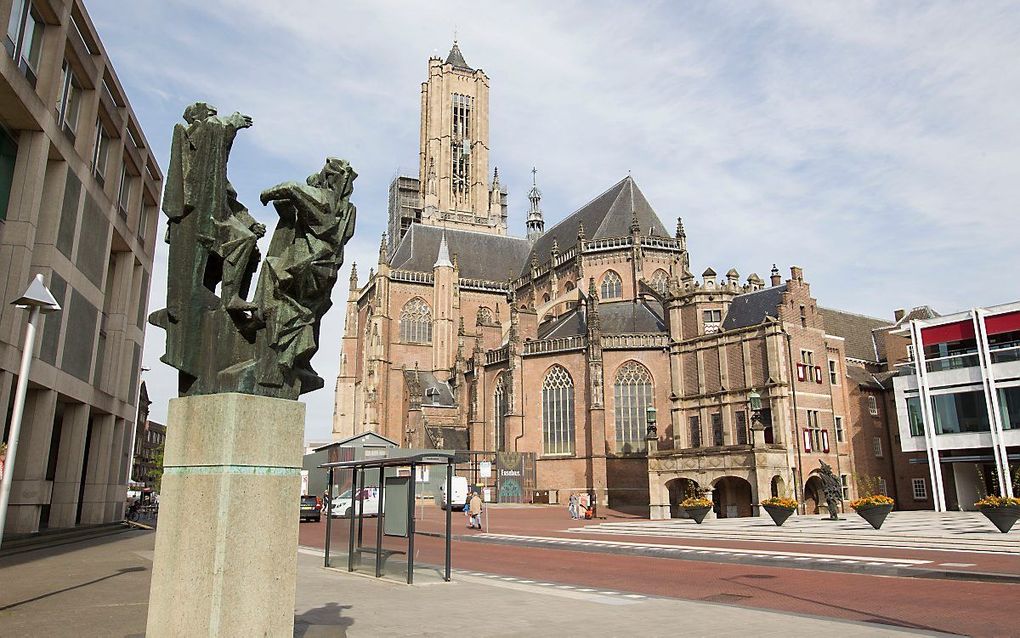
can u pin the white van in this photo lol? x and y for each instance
(460, 493)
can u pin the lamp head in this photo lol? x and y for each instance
(37, 296)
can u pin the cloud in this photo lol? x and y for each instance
(872, 143)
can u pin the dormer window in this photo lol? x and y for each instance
(712, 320)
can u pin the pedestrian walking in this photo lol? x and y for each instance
(475, 511)
(573, 507)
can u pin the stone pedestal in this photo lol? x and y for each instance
(226, 542)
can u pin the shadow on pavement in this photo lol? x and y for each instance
(119, 572)
(330, 615)
(22, 555)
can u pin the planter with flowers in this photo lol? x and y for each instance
(697, 507)
(779, 508)
(874, 508)
(1002, 511)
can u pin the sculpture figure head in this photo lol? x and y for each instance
(199, 111)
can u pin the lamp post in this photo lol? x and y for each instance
(757, 427)
(38, 301)
(652, 433)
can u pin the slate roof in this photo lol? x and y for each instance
(479, 255)
(608, 215)
(857, 332)
(750, 309)
(433, 392)
(457, 59)
(866, 379)
(616, 317)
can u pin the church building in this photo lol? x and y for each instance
(556, 343)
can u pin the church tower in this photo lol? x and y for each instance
(454, 154)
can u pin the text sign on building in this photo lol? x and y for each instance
(485, 469)
(509, 477)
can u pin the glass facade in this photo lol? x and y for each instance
(558, 412)
(1009, 407)
(632, 394)
(914, 416)
(960, 412)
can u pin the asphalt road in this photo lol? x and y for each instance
(960, 607)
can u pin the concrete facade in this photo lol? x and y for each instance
(79, 194)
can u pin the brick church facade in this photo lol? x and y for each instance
(464, 336)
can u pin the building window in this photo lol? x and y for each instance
(8, 158)
(632, 394)
(844, 482)
(69, 104)
(558, 412)
(100, 153)
(882, 489)
(872, 405)
(833, 373)
(910, 352)
(484, 316)
(712, 320)
(741, 418)
(717, 431)
(807, 357)
(416, 322)
(877, 445)
(24, 38)
(499, 408)
(612, 285)
(1009, 406)
(660, 281)
(460, 142)
(920, 489)
(695, 422)
(840, 436)
(960, 412)
(914, 416)
(815, 438)
(124, 195)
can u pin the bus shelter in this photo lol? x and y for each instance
(371, 514)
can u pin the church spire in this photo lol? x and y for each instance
(456, 58)
(535, 223)
(443, 259)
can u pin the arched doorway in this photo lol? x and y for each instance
(731, 497)
(814, 495)
(679, 489)
(778, 486)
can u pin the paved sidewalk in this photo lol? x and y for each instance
(99, 587)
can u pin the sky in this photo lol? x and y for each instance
(873, 144)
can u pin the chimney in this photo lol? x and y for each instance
(898, 314)
(776, 279)
(797, 273)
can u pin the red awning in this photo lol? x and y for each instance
(948, 332)
(999, 324)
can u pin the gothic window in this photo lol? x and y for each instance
(460, 141)
(612, 285)
(568, 286)
(545, 298)
(659, 281)
(632, 394)
(485, 316)
(558, 412)
(416, 322)
(499, 408)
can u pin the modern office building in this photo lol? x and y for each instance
(79, 195)
(958, 402)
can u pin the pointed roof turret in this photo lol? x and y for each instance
(457, 59)
(443, 259)
(536, 222)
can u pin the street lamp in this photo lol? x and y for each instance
(38, 301)
(754, 400)
(651, 434)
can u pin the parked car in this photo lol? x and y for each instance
(368, 503)
(311, 508)
(460, 493)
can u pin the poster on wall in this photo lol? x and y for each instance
(509, 477)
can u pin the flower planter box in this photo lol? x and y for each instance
(697, 513)
(875, 515)
(1002, 517)
(778, 514)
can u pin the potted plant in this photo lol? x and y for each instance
(697, 507)
(1002, 511)
(779, 508)
(873, 508)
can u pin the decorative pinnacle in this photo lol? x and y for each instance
(592, 290)
(680, 232)
(354, 274)
(580, 232)
(774, 271)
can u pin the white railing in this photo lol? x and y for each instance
(637, 340)
(497, 356)
(411, 276)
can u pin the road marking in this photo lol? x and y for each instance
(956, 564)
(776, 555)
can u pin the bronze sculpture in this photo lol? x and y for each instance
(222, 342)
(832, 488)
